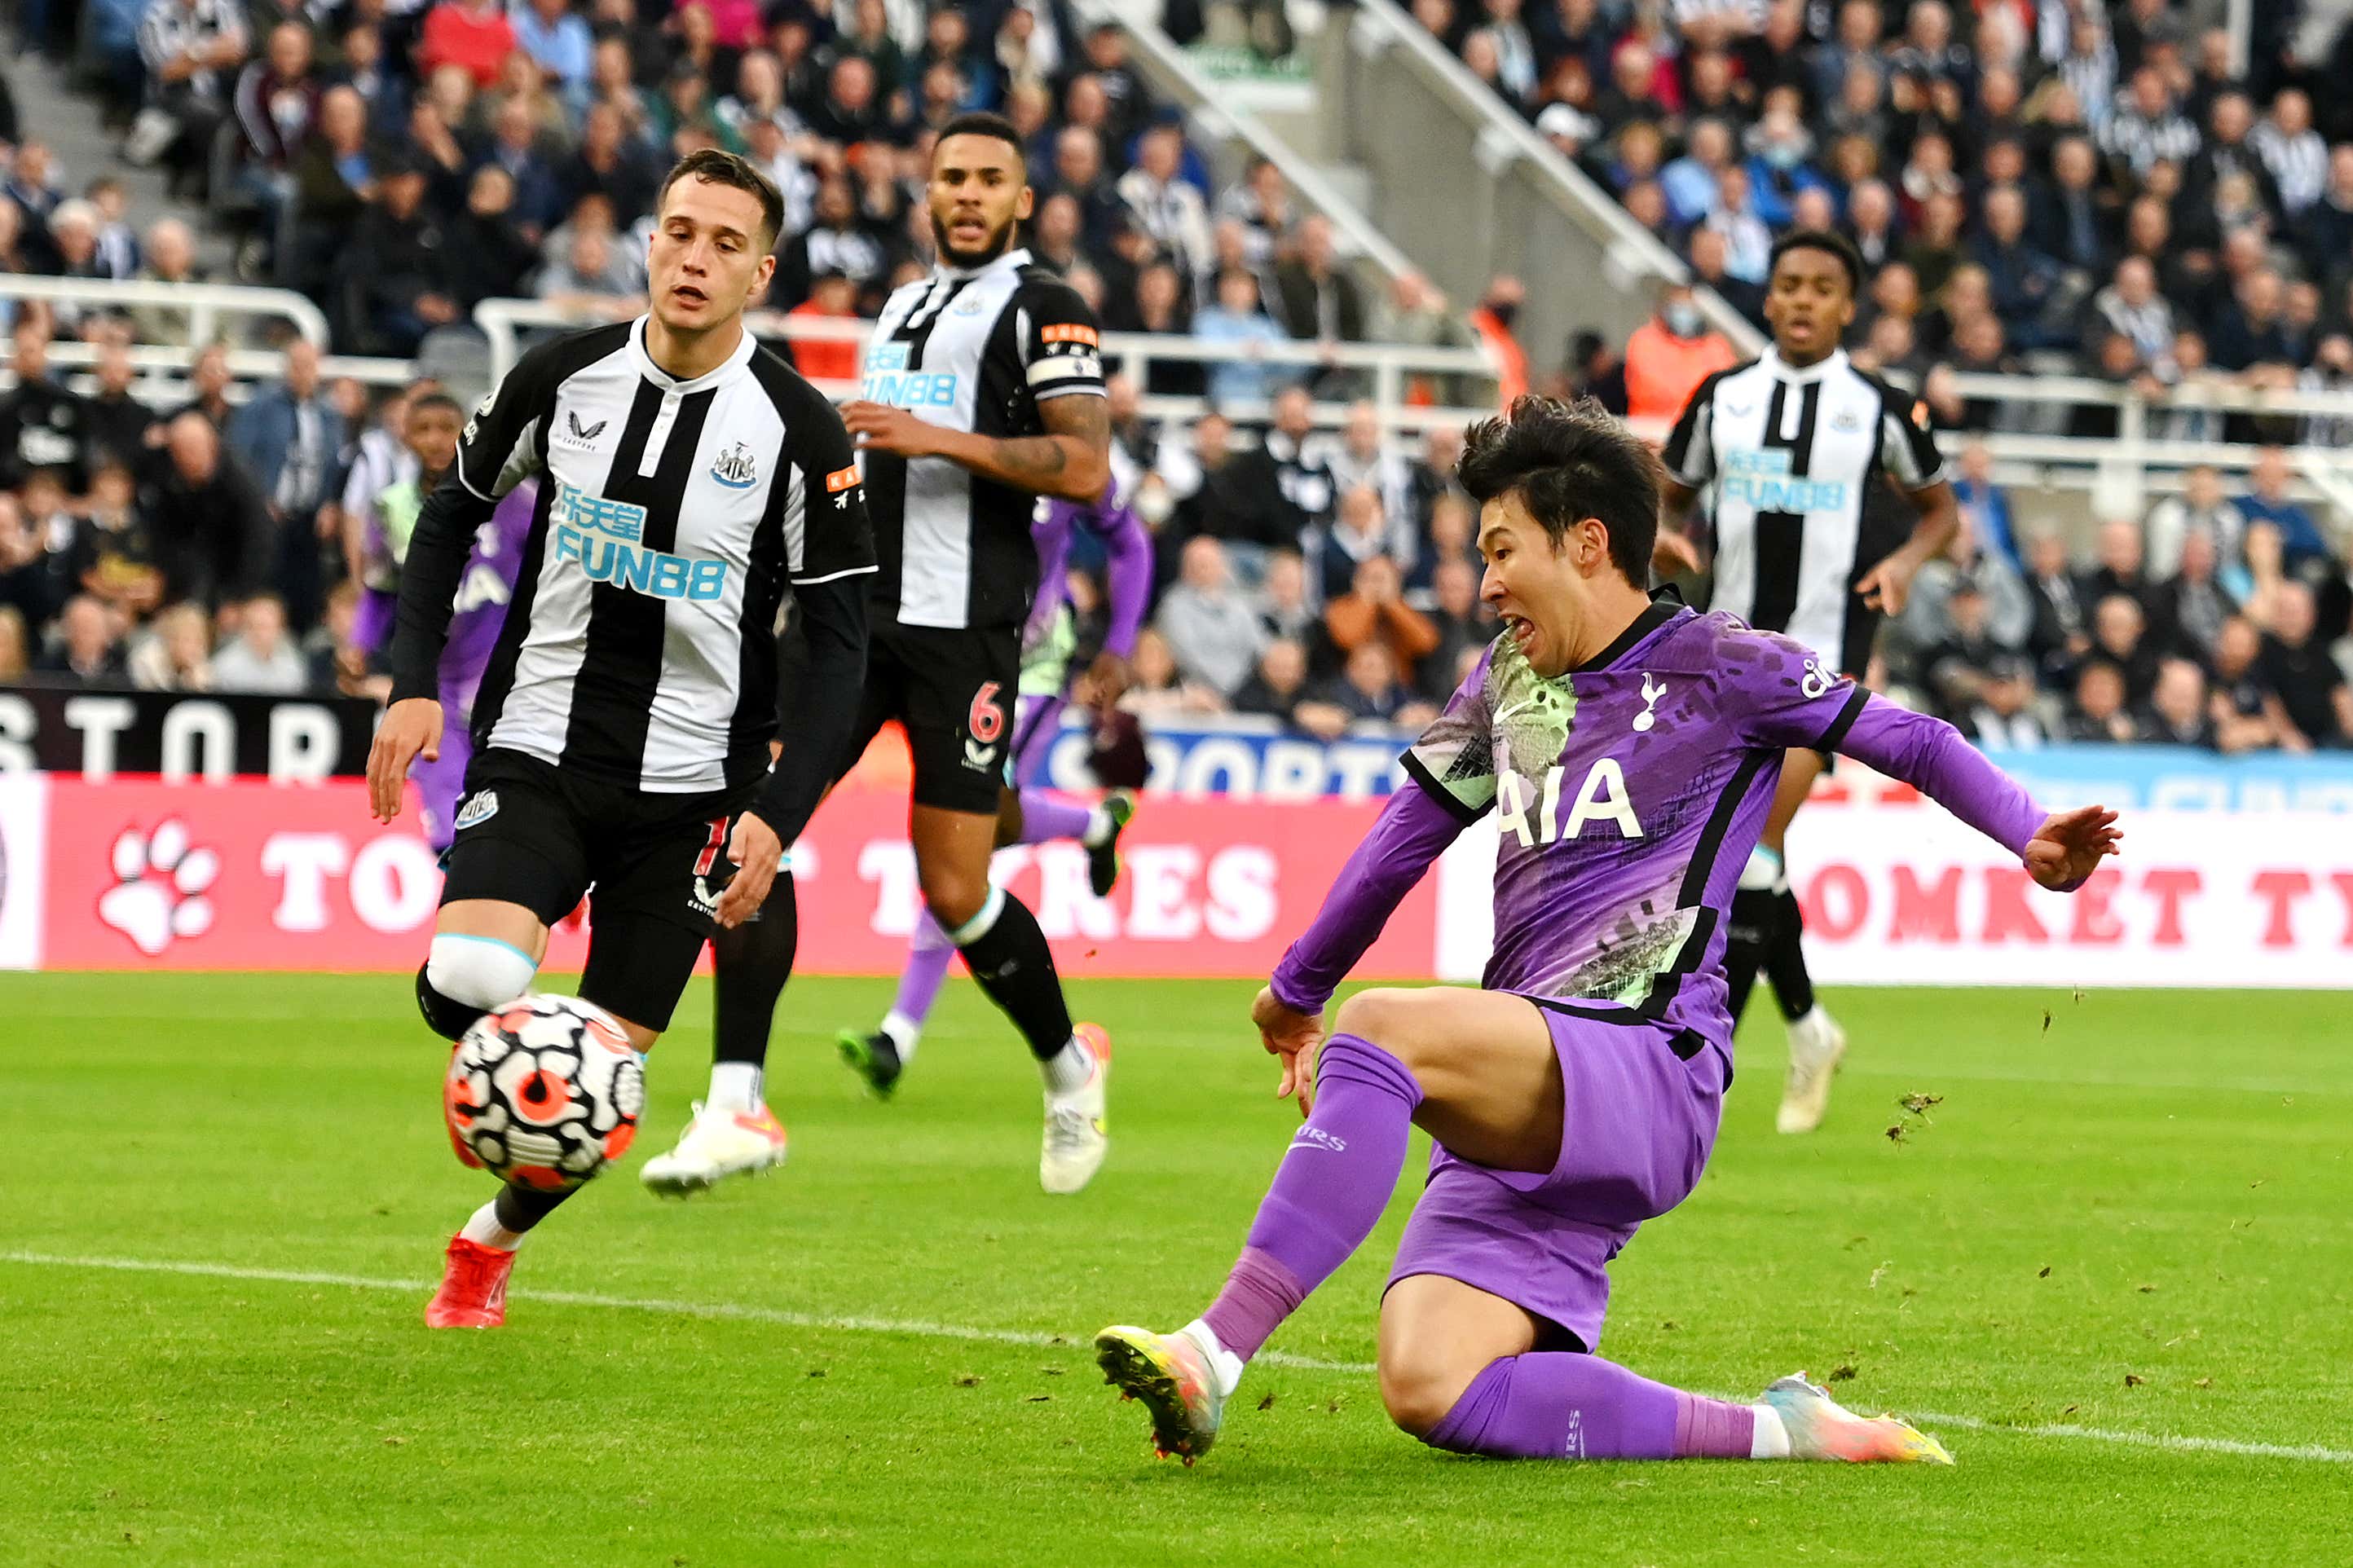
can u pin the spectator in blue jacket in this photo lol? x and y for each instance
(2301, 539)
(287, 438)
(1237, 317)
(1986, 506)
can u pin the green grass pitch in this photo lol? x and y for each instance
(2112, 1264)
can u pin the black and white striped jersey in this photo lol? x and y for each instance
(975, 349)
(671, 515)
(1785, 459)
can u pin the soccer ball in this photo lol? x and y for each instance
(546, 1092)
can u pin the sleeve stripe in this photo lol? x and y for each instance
(829, 576)
(1836, 734)
(1062, 367)
(1462, 810)
(1092, 389)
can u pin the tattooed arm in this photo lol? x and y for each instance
(1071, 461)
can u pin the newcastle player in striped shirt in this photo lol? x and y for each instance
(687, 478)
(1788, 450)
(983, 389)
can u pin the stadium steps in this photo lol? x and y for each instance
(83, 149)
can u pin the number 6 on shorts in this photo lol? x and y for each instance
(985, 719)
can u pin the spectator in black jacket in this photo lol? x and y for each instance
(1278, 690)
(42, 424)
(608, 162)
(2325, 228)
(835, 241)
(1314, 295)
(1454, 585)
(2099, 713)
(396, 275)
(2297, 664)
(213, 533)
(119, 421)
(1240, 501)
(489, 254)
(2122, 568)
(2177, 712)
(2120, 638)
(87, 653)
(2187, 611)
(1368, 687)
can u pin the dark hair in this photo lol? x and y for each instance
(1569, 462)
(981, 122)
(437, 400)
(714, 167)
(1821, 240)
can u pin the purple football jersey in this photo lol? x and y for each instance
(1628, 792)
(483, 594)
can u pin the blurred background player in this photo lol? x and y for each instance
(1629, 747)
(1028, 812)
(732, 1132)
(1004, 361)
(1786, 448)
(429, 434)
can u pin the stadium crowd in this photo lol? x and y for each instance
(2034, 185)
(401, 163)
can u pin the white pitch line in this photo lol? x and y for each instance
(924, 1329)
(2140, 1439)
(916, 1327)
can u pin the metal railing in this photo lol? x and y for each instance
(2119, 470)
(1388, 366)
(204, 303)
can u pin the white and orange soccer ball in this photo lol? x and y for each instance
(546, 1092)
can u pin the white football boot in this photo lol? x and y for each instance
(1816, 1045)
(1077, 1135)
(716, 1144)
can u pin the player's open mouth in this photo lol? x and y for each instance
(968, 231)
(1522, 630)
(686, 294)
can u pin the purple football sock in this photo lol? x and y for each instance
(1327, 1195)
(1552, 1405)
(1045, 819)
(927, 967)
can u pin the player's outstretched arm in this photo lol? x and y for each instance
(2060, 850)
(1127, 572)
(1412, 830)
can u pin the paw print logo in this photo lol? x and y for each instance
(160, 885)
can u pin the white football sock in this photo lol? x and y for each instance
(484, 1229)
(1099, 828)
(1770, 1440)
(903, 1032)
(1069, 1069)
(735, 1086)
(1225, 1364)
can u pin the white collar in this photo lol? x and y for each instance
(1833, 361)
(724, 371)
(1017, 257)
